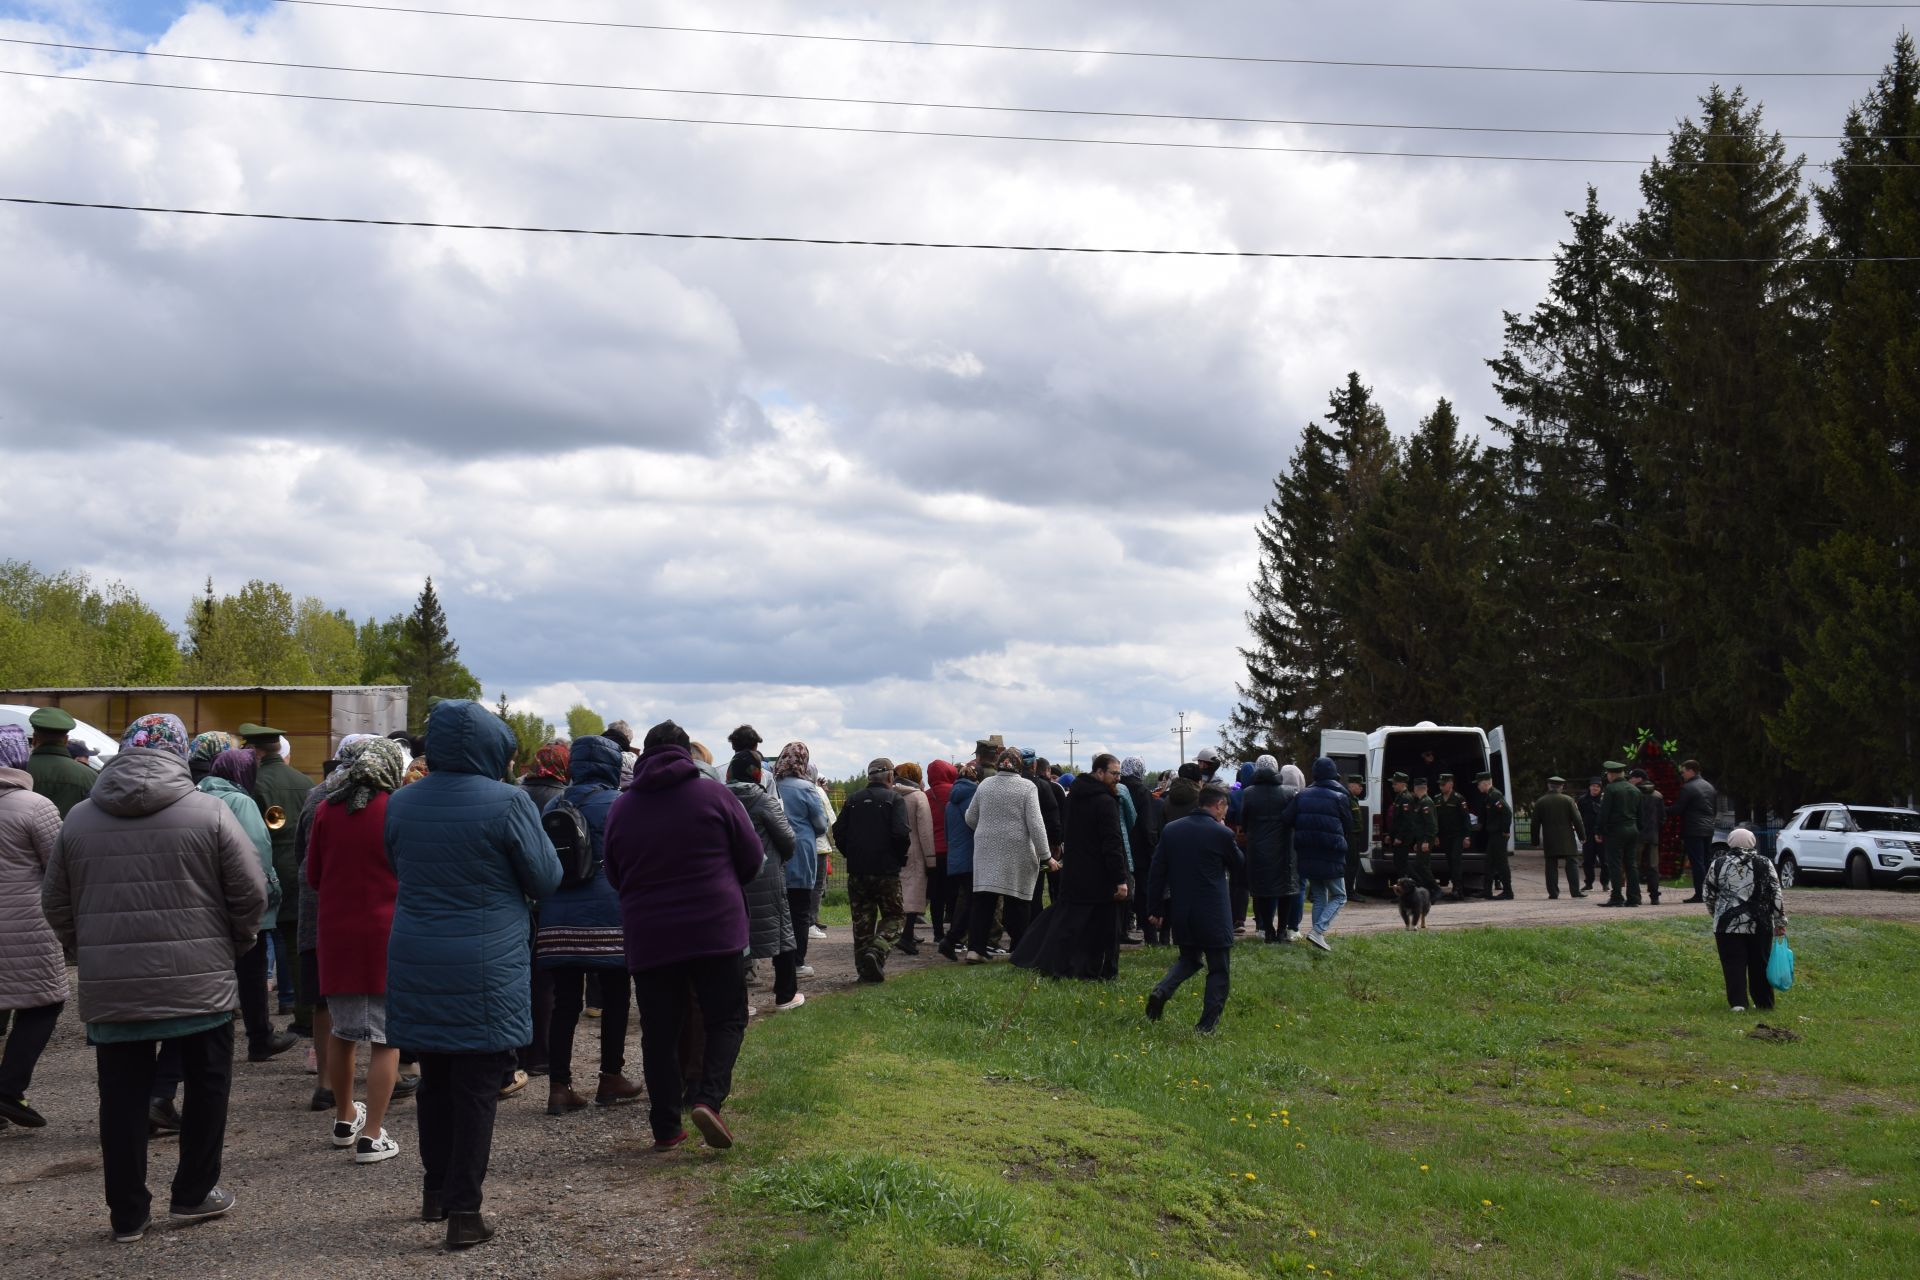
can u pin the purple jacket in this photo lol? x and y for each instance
(679, 848)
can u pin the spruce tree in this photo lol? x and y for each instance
(1724, 447)
(428, 660)
(1852, 712)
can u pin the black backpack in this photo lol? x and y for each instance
(572, 839)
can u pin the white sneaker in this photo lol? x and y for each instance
(804, 971)
(799, 998)
(375, 1149)
(1739, 1008)
(1319, 940)
(815, 931)
(344, 1133)
(1293, 935)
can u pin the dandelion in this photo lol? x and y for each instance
(1252, 1178)
(1875, 1203)
(1300, 1146)
(1273, 1115)
(1486, 1204)
(1423, 1168)
(1312, 1234)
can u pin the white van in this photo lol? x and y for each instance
(1461, 750)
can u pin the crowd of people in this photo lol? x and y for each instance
(458, 912)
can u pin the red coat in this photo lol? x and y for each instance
(347, 866)
(940, 779)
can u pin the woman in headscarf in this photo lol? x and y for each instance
(1743, 897)
(230, 780)
(547, 778)
(807, 815)
(1262, 802)
(546, 781)
(920, 858)
(204, 749)
(347, 866)
(1133, 780)
(1010, 847)
(33, 972)
(307, 940)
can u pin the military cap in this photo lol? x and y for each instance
(264, 732)
(1419, 782)
(1614, 766)
(1357, 777)
(1637, 773)
(1485, 775)
(1556, 781)
(986, 747)
(1446, 777)
(879, 767)
(79, 750)
(52, 720)
(1398, 777)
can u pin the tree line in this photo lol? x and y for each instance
(1698, 513)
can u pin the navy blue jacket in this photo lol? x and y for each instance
(594, 767)
(468, 853)
(1191, 865)
(1269, 855)
(1318, 819)
(959, 834)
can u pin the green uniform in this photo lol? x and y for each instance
(1451, 824)
(279, 783)
(1356, 841)
(1557, 822)
(1409, 827)
(1620, 829)
(59, 777)
(1496, 828)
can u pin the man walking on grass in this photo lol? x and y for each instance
(1194, 863)
(871, 833)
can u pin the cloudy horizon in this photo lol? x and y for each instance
(885, 500)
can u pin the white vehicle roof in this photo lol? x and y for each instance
(103, 744)
(1858, 810)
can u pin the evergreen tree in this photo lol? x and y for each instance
(428, 660)
(530, 732)
(1853, 707)
(249, 638)
(1724, 446)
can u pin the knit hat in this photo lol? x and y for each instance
(1740, 838)
(13, 747)
(162, 731)
(1325, 770)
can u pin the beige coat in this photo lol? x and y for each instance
(920, 851)
(32, 970)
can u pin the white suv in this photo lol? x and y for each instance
(1865, 844)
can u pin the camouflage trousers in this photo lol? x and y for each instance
(878, 917)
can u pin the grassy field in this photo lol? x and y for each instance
(1550, 1102)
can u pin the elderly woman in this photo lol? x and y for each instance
(807, 816)
(769, 920)
(1010, 846)
(1743, 897)
(921, 858)
(33, 974)
(348, 869)
(229, 779)
(1262, 802)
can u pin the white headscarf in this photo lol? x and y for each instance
(1740, 838)
(1290, 776)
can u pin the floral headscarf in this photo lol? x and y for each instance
(629, 761)
(206, 747)
(13, 747)
(1009, 761)
(795, 761)
(415, 771)
(377, 764)
(552, 761)
(1133, 767)
(238, 766)
(162, 731)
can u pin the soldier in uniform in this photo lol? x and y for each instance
(1356, 833)
(1409, 830)
(1451, 821)
(871, 834)
(1496, 829)
(1561, 828)
(277, 783)
(1619, 834)
(1653, 817)
(1429, 836)
(1592, 862)
(56, 774)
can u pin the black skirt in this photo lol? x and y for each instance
(1073, 940)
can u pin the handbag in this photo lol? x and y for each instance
(1780, 966)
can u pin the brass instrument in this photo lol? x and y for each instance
(275, 817)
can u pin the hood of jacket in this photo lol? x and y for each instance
(595, 761)
(142, 780)
(1248, 773)
(15, 780)
(1264, 778)
(1325, 770)
(751, 795)
(465, 737)
(664, 768)
(941, 773)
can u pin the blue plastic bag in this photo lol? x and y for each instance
(1780, 966)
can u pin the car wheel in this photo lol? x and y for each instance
(1789, 871)
(1859, 871)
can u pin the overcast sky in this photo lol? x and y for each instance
(885, 500)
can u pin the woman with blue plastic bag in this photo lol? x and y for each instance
(1743, 897)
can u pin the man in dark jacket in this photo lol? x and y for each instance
(1560, 828)
(1496, 830)
(156, 887)
(1699, 803)
(1451, 825)
(1193, 865)
(1079, 939)
(277, 783)
(1356, 832)
(1410, 831)
(1592, 859)
(871, 835)
(1620, 834)
(1319, 821)
(56, 774)
(1653, 818)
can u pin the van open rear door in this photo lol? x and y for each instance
(1347, 748)
(1497, 766)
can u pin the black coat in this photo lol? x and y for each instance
(1142, 835)
(1191, 865)
(1096, 861)
(871, 832)
(1050, 806)
(1270, 868)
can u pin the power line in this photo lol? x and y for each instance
(890, 102)
(1755, 4)
(795, 126)
(1044, 48)
(892, 244)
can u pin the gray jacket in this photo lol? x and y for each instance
(1698, 805)
(1009, 836)
(156, 889)
(769, 925)
(32, 970)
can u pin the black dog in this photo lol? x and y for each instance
(1414, 903)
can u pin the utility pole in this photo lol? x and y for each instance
(1181, 730)
(1070, 742)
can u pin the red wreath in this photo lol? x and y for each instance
(1661, 761)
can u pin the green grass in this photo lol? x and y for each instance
(1571, 1102)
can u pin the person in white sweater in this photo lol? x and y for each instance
(1009, 848)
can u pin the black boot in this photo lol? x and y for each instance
(431, 1210)
(465, 1230)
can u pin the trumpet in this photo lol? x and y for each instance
(275, 817)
